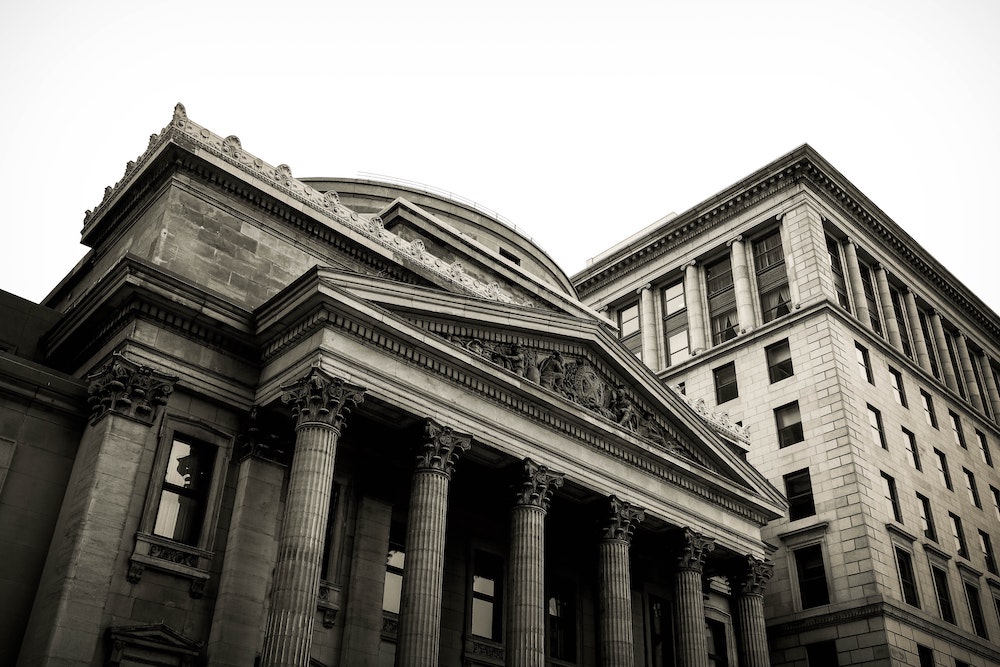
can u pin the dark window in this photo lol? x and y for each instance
(910, 445)
(184, 493)
(949, 341)
(812, 576)
(889, 490)
(628, 323)
(926, 518)
(868, 283)
(996, 500)
(725, 383)
(987, 547)
(875, 423)
(822, 654)
(977, 375)
(506, 254)
(896, 381)
(958, 535)
(715, 635)
(864, 363)
(900, 314)
(798, 490)
(839, 282)
(487, 590)
(907, 580)
(561, 615)
(984, 448)
(976, 609)
(393, 590)
(675, 324)
(940, 578)
(932, 356)
(956, 429)
(722, 300)
(927, 403)
(779, 361)
(942, 468)
(660, 632)
(925, 655)
(970, 487)
(789, 424)
(772, 281)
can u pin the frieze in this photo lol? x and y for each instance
(124, 387)
(326, 204)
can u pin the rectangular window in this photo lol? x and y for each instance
(995, 492)
(984, 448)
(560, 610)
(896, 381)
(789, 424)
(772, 281)
(628, 323)
(940, 578)
(976, 609)
(675, 323)
(864, 363)
(927, 404)
(722, 300)
(900, 313)
(942, 468)
(837, 267)
(798, 490)
(970, 487)
(715, 635)
(977, 375)
(958, 535)
(393, 590)
(910, 445)
(868, 283)
(726, 388)
(779, 361)
(926, 518)
(889, 491)
(875, 423)
(949, 341)
(184, 492)
(907, 579)
(989, 559)
(487, 589)
(932, 355)
(956, 429)
(811, 572)
(822, 654)
(925, 655)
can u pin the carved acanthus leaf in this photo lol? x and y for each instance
(538, 484)
(441, 447)
(693, 550)
(623, 517)
(321, 398)
(127, 388)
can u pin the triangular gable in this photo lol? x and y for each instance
(154, 644)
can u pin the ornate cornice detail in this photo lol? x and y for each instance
(326, 204)
(538, 484)
(750, 576)
(622, 520)
(128, 389)
(720, 421)
(321, 398)
(441, 448)
(693, 550)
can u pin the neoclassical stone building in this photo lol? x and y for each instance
(338, 422)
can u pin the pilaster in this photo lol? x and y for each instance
(363, 615)
(615, 581)
(741, 284)
(689, 612)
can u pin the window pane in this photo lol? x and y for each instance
(812, 576)
(482, 618)
(943, 595)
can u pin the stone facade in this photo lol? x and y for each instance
(261, 422)
(794, 305)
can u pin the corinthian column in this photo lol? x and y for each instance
(526, 608)
(695, 312)
(418, 639)
(615, 581)
(318, 403)
(748, 583)
(649, 327)
(741, 284)
(690, 606)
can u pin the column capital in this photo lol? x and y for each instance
(690, 265)
(538, 484)
(647, 286)
(127, 388)
(623, 517)
(441, 447)
(321, 398)
(751, 575)
(694, 549)
(735, 239)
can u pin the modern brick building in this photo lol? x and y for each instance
(867, 377)
(261, 422)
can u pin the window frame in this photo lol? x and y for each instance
(776, 363)
(989, 556)
(864, 363)
(898, 390)
(927, 404)
(728, 389)
(796, 429)
(942, 467)
(958, 535)
(975, 606)
(926, 515)
(892, 496)
(497, 600)
(911, 448)
(772, 276)
(957, 433)
(834, 250)
(803, 498)
(799, 569)
(876, 426)
(632, 340)
(904, 585)
(984, 448)
(971, 488)
(562, 583)
(942, 593)
(675, 322)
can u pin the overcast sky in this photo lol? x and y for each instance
(581, 122)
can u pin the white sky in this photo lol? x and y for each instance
(582, 122)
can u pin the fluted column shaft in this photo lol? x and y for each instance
(526, 591)
(650, 329)
(615, 581)
(992, 391)
(695, 310)
(751, 632)
(689, 613)
(741, 284)
(885, 299)
(857, 287)
(967, 373)
(419, 636)
(944, 358)
(319, 402)
(917, 331)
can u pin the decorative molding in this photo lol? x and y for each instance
(128, 389)
(441, 448)
(893, 529)
(622, 520)
(138, 642)
(719, 421)
(693, 550)
(321, 398)
(750, 577)
(152, 551)
(538, 484)
(806, 532)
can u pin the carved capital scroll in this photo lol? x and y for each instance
(124, 387)
(623, 517)
(537, 485)
(750, 577)
(321, 398)
(441, 447)
(694, 549)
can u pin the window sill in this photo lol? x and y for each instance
(168, 556)
(482, 651)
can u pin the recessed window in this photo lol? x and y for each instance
(927, 404)
(675, 323)
(628, 323)
(949, 340)
(811, 571)
(715, 635)
(907, 579)
(487, 588)
(822, 654)
(975, 609)
(892, 500)
(789, 424)
(837, 268)
(393, 590)
(722, 300)
(864, 363)
(910, 445)
(958, 535)
(925, 655)
(184, 492)
(942, 468)
(932, 355)
(940, 578)
(798, 490)
(560, 611)
(970, 487)
(725, 383)
(984, 448)
(926, 518)
(868, 283)
(987, 548)
(995, 492)
(900, 314)
(779, 361)
(506, 254)
(896, 381)
(956, 429)
(875, 424)
(772, 281)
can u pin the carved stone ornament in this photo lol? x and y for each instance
(126, 388)
(441, 448)
(537, 485)
(623, 517)
(694, 549)
(720, 421)
(750, 577)
(321, 398)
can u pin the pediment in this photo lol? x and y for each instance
(156, 643)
